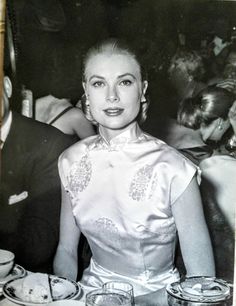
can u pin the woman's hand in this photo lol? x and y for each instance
(232, 116)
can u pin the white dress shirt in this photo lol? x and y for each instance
(5, 128)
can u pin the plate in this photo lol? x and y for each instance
(61, 289)
(198, 289)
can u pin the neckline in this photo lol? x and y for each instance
(132, 133)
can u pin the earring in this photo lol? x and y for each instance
(86, 100)
(143, 99)
(220, 125)
(86, 109)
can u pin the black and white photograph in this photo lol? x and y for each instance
(118, 152)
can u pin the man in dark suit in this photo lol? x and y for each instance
(29, 187)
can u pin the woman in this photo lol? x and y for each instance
(213, 114)
(61, 114)
(127, 191)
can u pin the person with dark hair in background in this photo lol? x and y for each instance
(210, 114)
(213, 114)
(30, 187)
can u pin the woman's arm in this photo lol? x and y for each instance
(66, 258)
(193, 233)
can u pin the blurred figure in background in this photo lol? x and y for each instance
(227, 79)
(212, 113)
(186, 75)
(61, 114)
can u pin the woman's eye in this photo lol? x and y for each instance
(98, 84)
(126, 83)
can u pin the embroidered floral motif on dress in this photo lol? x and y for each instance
(140, 183)
(80, 175)
(106, 228)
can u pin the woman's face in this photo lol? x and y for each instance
(114, 90)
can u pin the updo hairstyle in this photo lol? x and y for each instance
(211, 103)
(116, 47)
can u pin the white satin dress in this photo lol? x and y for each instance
(122, 192)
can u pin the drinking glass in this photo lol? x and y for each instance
(108, 297)
(125, 286)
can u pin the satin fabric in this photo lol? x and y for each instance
(122, 192)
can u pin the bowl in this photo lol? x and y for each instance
(199, 291)
(6, 262)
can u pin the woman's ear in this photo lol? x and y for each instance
(85, 90)
(7, 86)
(144, 89)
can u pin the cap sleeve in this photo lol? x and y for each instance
(183, 171)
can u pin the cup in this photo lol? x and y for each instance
(6, 262)
(108, 297)
(125, 286)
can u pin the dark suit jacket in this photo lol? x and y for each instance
(30, 226)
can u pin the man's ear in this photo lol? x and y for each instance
(7, 86)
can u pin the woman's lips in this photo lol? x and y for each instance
(113, 111)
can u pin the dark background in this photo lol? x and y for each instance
(51, 36)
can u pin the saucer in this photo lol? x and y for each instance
(16, 272)
(61, 289)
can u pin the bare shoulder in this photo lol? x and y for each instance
(75, 113)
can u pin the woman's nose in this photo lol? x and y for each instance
(112, 95)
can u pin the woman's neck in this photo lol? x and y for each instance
(109, 134)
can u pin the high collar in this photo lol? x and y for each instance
(132, 133)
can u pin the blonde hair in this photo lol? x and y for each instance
(113, 46)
